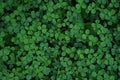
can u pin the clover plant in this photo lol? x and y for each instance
(59, 39)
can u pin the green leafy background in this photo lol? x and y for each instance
(59, 39)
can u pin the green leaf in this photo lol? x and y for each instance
(110, 23)
(83, 74)
(68, 51)
(92, 67)
(84, 36)
(28, 77)
(64, 64)
(90, 56)
(29, 19)
(67, 38)
(20, 7)
(33, 14)
(87, 1)
(91, 50)
(89, 8)
(5, 58)
(91, 37)
(69, 62)
(93, 11)
(79, 51)
(106, 76)
(46, 70)
(25, 41)
(84, 6)
(87, 31)
(104, 2)
(112, 77)
(63, 53)
(102, 16)
(101, 72)
(7, 18)
(78, 63)
(116, 5)
(100, 78)
(26, 47)
(118, 28)
(93, 4)
(112, 12)
(94, 74)
(86, 51)
(81, 56)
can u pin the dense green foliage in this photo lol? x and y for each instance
(59, 39)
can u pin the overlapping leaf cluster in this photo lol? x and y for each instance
(59, 40)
